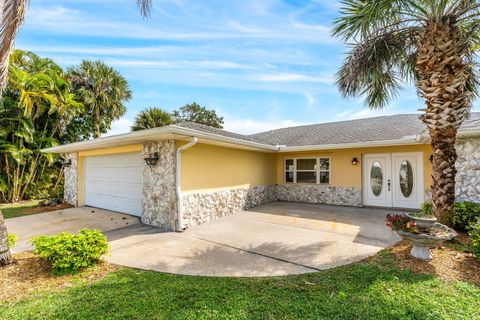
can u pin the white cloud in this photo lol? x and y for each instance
(368, 113)
(119, 126)
(294, 77)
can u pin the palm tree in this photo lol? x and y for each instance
(103, 91)
(152, 118)
(430, 43)
(12, 14)
(5, 254)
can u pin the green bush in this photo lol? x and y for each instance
(474, 234)
(465, 213)
(12, 240)
(68, 253)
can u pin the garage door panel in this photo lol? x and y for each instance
(114, 182)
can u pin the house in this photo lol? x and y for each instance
(186, 174)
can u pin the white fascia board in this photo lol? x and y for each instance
(382, 143)
(155, 134)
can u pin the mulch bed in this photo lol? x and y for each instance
(30, 275)
(41, 209)
(448, 263)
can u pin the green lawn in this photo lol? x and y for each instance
(358, 291)
(13, 210)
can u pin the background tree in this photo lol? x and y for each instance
(195, 113)
(103, 92)
(152, 118)
(430, 43)
(12, 14)
(35, 110)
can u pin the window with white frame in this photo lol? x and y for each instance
(307, 170)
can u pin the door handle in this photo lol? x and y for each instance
(388, 184)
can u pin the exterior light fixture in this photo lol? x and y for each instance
(152, 159)
(431, 158)
(354, 161)
(67, 163)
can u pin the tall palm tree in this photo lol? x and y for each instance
(5, 254)
(152, 118)
(12, 14)
(428, 42)
(103, 92)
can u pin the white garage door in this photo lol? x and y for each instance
(114, 182)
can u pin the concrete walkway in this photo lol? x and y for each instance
(278, 238)
(71, 220)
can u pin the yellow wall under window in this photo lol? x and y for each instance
(207, 167)
(344, 174)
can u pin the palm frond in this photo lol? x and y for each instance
(12, 16)
(145, 7)
(376, 66)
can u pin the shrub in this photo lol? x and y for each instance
(12, 240)
(465, 213)
(68, 253)
(474, 234)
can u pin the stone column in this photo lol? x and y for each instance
(70, 189)
(467, 181)
(159, 200)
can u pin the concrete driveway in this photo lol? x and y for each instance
(278, 238)
(71, 220)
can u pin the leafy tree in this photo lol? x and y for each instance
(34, 111)
(103, 92)
(195, 113)
(12, 13)
(152, 118)
(430, 43)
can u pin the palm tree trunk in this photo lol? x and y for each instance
(442, 83)
(96, 120)
(5, 254)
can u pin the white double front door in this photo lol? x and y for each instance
(393, 180)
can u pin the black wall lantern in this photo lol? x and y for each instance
(67, 163)
(431, 158)
(354, 161)
(152, 159)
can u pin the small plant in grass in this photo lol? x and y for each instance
(12, 240)
(69, 253)
(401, 222)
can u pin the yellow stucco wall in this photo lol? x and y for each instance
(344, 174)
(97, 152)
(207, 167)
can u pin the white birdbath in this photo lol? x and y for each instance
(423, 242)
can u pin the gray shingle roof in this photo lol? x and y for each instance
(351, 131)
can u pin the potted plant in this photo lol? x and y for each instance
(422, 235)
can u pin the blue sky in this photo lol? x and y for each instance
(261, 64)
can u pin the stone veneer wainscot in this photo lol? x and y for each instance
(467, 181)
(346, 196)
(202, 207)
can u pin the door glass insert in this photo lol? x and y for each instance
(406, 178)
(376, 178)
